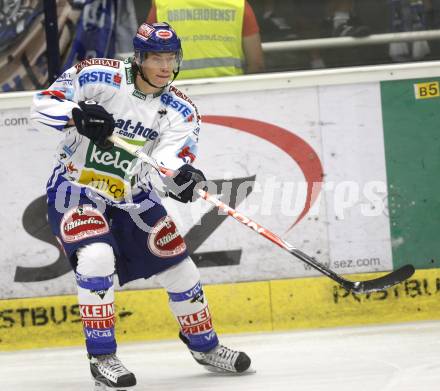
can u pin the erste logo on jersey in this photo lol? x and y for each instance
(165, 241)
(82, 223)
(177, 105)
(106, 62)
(181, 95)
(101, 77)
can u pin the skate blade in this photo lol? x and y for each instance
(102, 387)
(222, 372)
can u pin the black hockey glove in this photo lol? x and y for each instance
(188, 179)
(94, 122)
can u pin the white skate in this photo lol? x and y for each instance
(224, 360)
(110, 375)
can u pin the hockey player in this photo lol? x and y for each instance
(101, 204)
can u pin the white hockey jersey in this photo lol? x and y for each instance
(166, 125)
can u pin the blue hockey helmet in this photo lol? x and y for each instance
(158, 38)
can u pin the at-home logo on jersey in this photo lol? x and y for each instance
(101, 77)
(133, 131)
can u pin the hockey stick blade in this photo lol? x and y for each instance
(374, 285)
(381, 283)
(377, 284)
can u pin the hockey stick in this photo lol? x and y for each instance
(377, 284)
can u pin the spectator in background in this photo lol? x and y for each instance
(104, 29)
(220, 38)
(273, 26)
(410, 15)
(327, 18)
(343, 20)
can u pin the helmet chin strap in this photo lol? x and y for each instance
(145, 79)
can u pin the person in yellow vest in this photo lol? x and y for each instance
(219, 37)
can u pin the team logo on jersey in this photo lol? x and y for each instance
(100, 77)
(82, 223)
(164, 34)
(106, 62)
(165, 241)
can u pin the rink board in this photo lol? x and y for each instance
(324, 165)
(244, 307)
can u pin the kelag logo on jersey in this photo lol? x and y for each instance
(105, 170)
(115, 161)
(131, 131)
(101, 77)
(177, 105)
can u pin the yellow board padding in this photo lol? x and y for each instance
(241, 307)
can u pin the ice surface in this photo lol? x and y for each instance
(403, 357)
